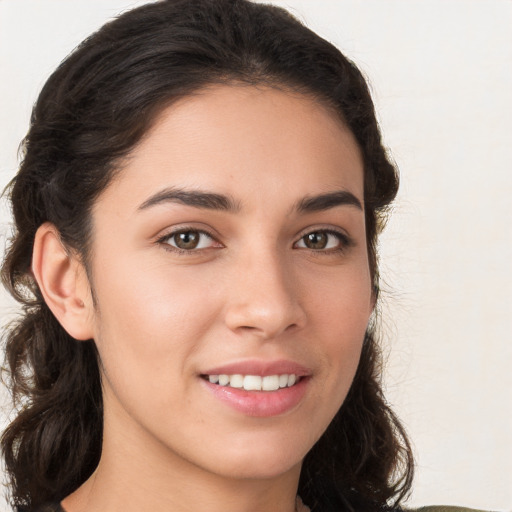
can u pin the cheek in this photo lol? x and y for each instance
(343, 311)
(343, 304)
(147, 325)
(154, 299)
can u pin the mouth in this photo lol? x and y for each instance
(254, 382)
(259, 388)
(258, 395)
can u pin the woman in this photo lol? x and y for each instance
(196, 219)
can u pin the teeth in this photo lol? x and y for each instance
(270, 383)
(236, 381)
(254, 382)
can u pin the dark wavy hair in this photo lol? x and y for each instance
(91, 113)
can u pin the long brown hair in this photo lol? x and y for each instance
(92, 111)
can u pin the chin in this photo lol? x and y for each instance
(261, 459)
(259, 471)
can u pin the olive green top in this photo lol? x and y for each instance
(443, 508)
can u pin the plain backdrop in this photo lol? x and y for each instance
(441, 77)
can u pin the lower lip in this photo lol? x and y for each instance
(261, 404)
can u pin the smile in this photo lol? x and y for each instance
(254, 382)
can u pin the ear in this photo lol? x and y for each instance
(63, 282)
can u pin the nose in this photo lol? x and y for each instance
(265, 299)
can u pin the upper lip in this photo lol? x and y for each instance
(260, 367)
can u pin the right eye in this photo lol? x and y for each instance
(188, 240)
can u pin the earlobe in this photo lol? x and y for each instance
(63, 283)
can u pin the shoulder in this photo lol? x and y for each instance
(443, 508)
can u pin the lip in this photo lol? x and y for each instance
(262, 404)
(260, 367)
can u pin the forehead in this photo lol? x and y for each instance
(242, 139)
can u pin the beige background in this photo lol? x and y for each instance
(441, 73)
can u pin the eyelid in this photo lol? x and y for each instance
(163, 239)
(345, 240)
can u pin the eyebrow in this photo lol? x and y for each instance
(328, 200)
(213, 201)
(196, 198)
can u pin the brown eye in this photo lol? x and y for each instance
(189, 240)
(317, 240)
(323, 240)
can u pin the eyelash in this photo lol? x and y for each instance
(344, 241)
(164, 240)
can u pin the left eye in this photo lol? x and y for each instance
(321, 240)
(189, 239)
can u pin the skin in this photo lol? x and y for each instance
(254, 291)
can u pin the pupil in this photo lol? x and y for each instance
(316, 240)
(187, 240)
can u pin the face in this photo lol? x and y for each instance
(231, 278)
